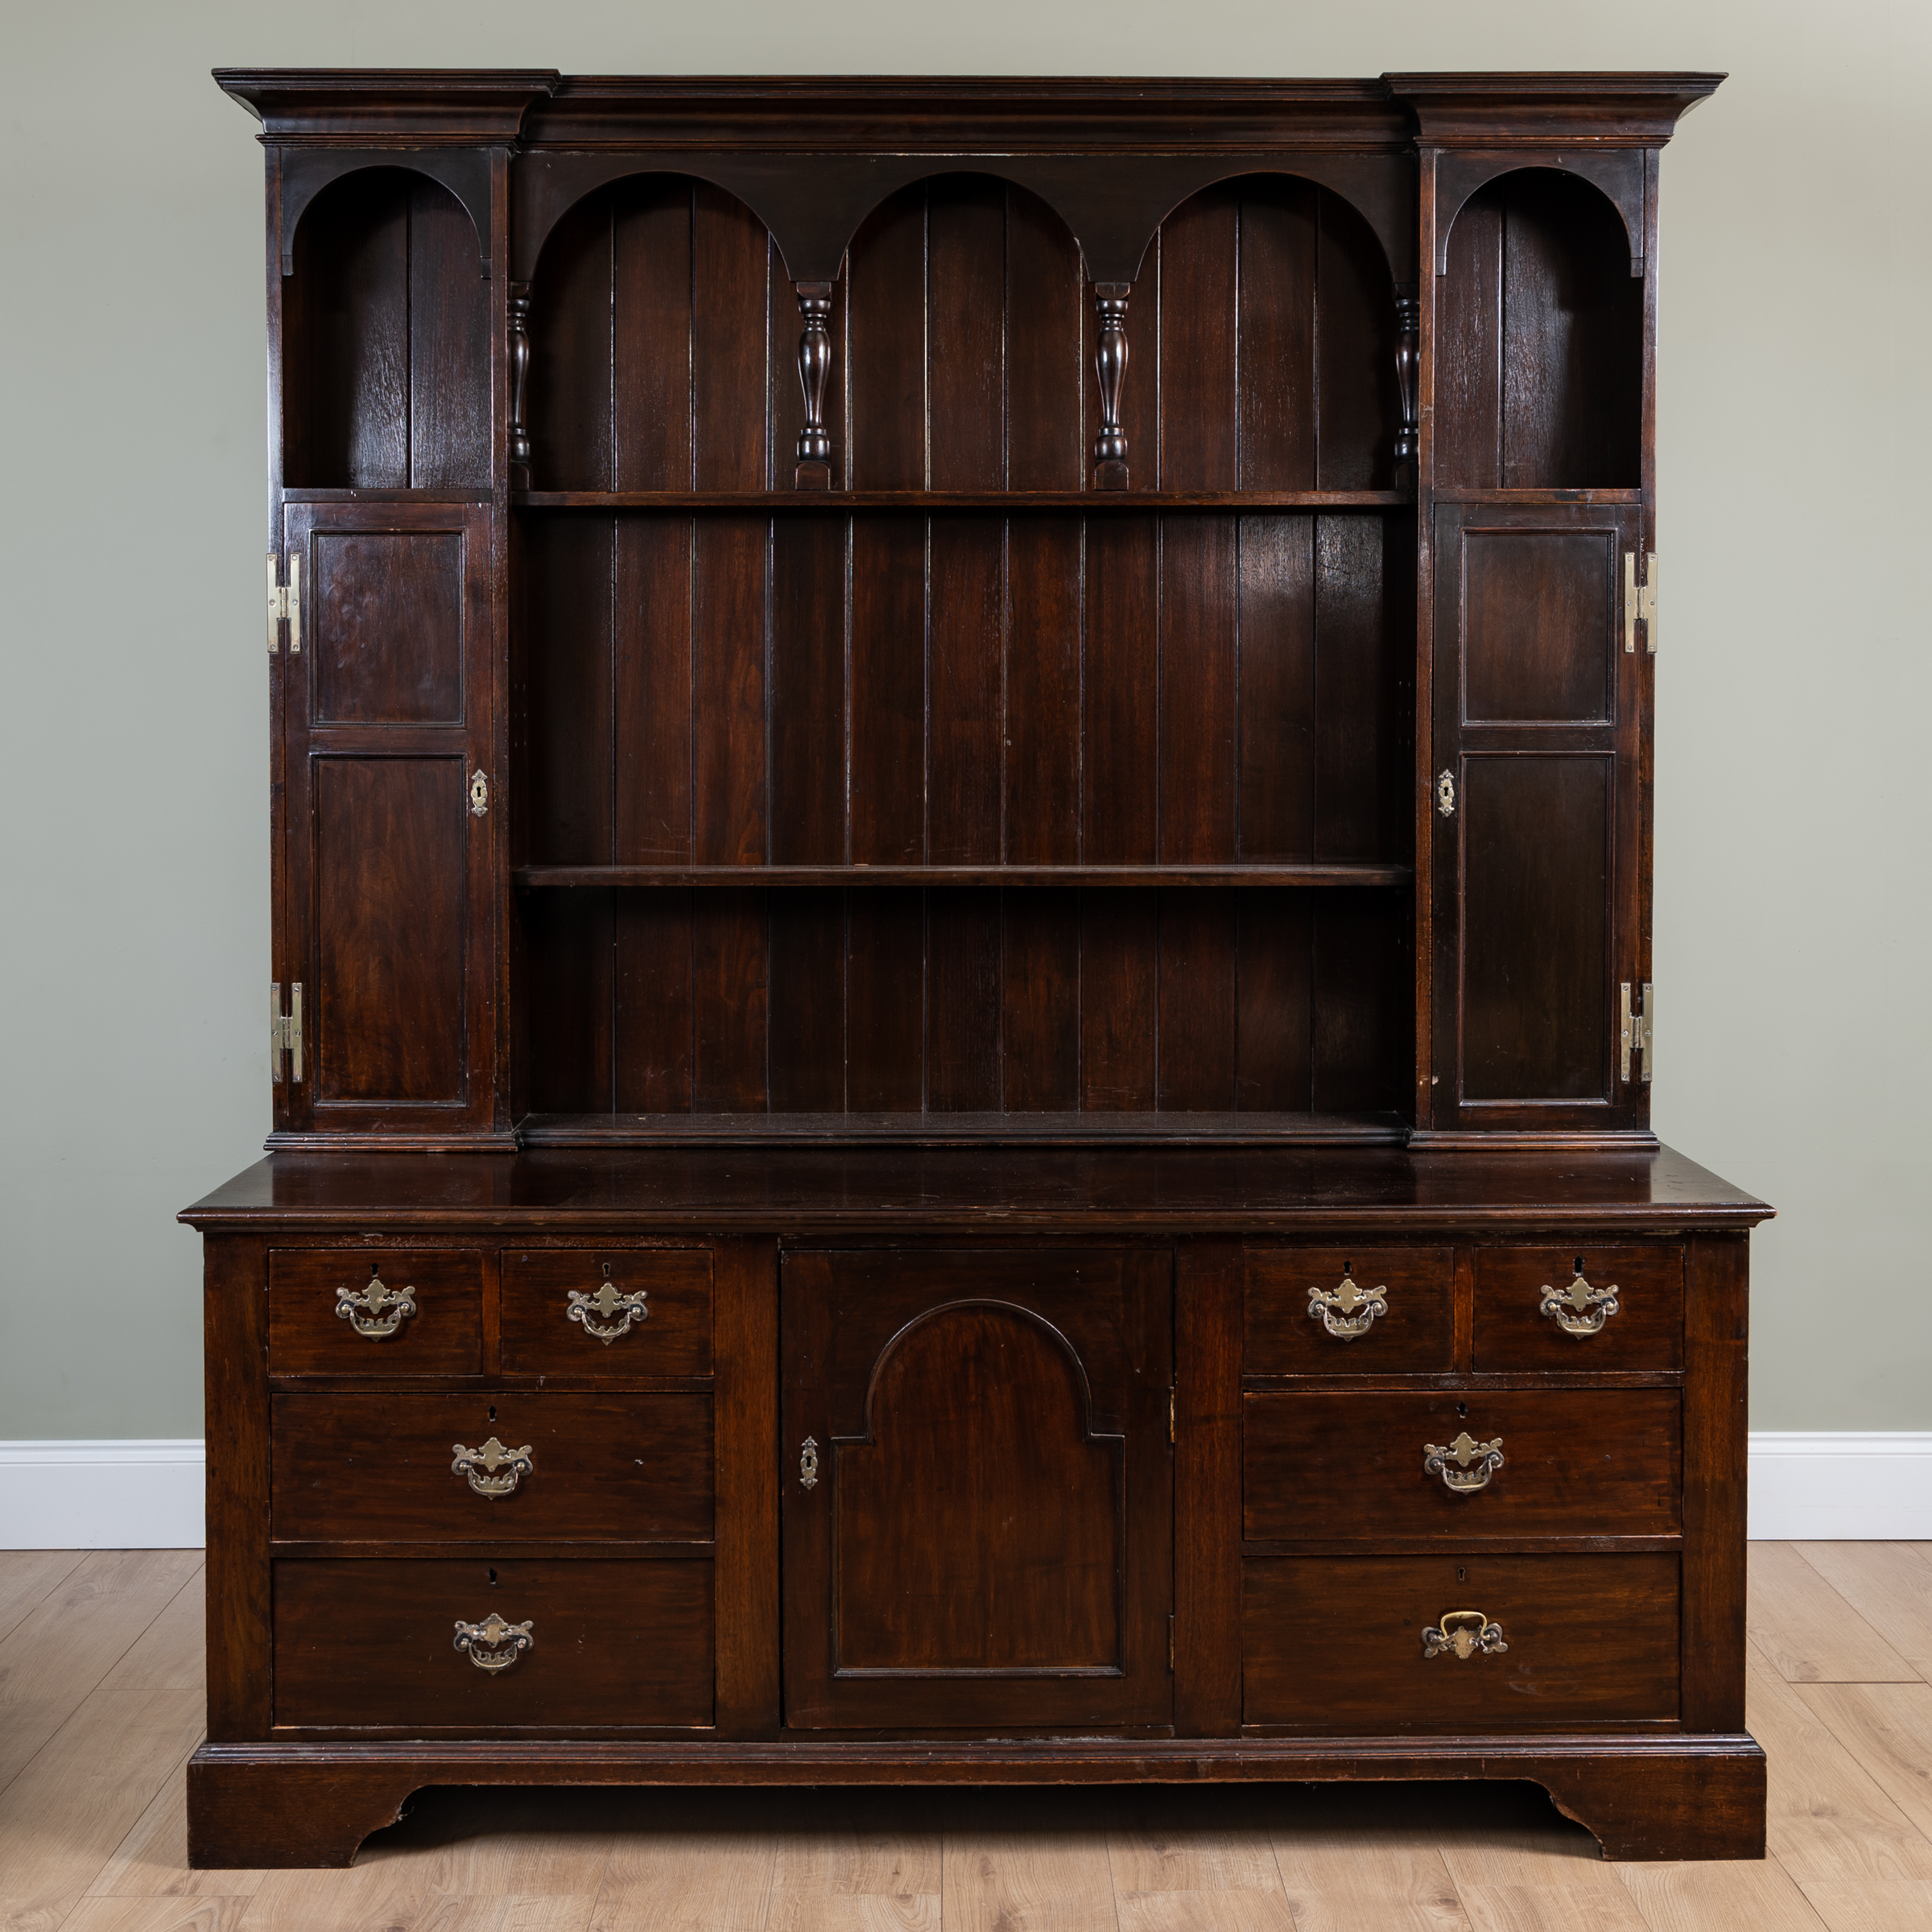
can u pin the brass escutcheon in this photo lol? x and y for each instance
(606, 1302)
(1579, 1309)
(1464, 1633)
(1346, 1312)
(808, 1465)
(377, 1310)
(493, 1470)
(1465, 1465)
(494, 1645)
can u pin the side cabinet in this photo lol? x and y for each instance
(389, 913)
(1538, 889)
(978, 1520)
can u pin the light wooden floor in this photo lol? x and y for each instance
(101, 1703)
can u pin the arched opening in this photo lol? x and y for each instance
(659, 342)
(1539, 341)
(385, 340)
(1277, 334)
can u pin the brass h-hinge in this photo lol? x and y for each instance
(285, 605)
(1170, 1415)
(1640, 602)
(1636, 1037)
(285, 1032)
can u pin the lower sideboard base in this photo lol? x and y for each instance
(258, 1806)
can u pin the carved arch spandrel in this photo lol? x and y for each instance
(981, 1517)
(306, 172)
(815, 204)
(1621, 176)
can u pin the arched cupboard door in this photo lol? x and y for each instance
(389, 807)
(978, 1488)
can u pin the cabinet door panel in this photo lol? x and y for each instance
(985, 1535)
(387, 839)
(1540, 886)
(388, 918)
(387, 638)
(1536, 853)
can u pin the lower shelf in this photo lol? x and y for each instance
(1674, 1797)
(963, 1129)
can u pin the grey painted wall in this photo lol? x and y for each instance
(1792, 886)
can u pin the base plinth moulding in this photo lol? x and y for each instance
(264, 1806)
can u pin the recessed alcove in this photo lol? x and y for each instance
(1539, 376)
(385, 340)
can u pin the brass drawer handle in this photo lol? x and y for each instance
(493, 1470)
(608, 1301)
(377, 1310)
(1465, 1465)
(494, 1645)
(1579, 1309)
(1346, 1312)
(1463, 1632)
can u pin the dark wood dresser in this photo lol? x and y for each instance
(962, 1030)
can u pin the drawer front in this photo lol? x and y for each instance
(635, 1312)
(373, 1644)
(630, 1468)
(403, 1312)
(1576, 1462)
(1552, 1307)
(1349, 1311)
(1339, 1643)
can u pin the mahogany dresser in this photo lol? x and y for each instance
(962, 1026)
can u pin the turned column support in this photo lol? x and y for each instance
(519, 384)
(814, 469)
(1408, 373)
(1110, 367)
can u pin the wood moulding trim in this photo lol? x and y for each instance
(739, 877)
(483, 1140)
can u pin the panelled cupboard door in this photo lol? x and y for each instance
(978, 1489)
(1538, 886)
(388, 921)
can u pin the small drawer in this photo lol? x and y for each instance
(1579, 1307)
(375, 1311)
(614, 1311)
(1446, 1643)
(575, 1645)
(1349, 1311)
(1576, 1461)
(545, 1468)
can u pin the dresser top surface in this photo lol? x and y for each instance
(785, 1190)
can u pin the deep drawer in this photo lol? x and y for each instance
(1339, 1643)
(1577, 1462)
(1349, 1311)
(631, 1469)
(1551, 1308)
(373, 1644)
(608, 1311)
(403, 1312)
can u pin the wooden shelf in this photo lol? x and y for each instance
(1058, 1129)
(761, 501)
(744, 877)
(1535, 498)
(295, 493)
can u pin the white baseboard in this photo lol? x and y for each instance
(1866, 1485)
(1810, 1485)
(114, 1495)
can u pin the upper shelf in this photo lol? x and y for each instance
(762, 501)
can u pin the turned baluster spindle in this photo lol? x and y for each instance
(814, 368)
(1408, 369)
(519, 379)
(1110, 366)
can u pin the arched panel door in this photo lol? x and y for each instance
(978, 1485)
